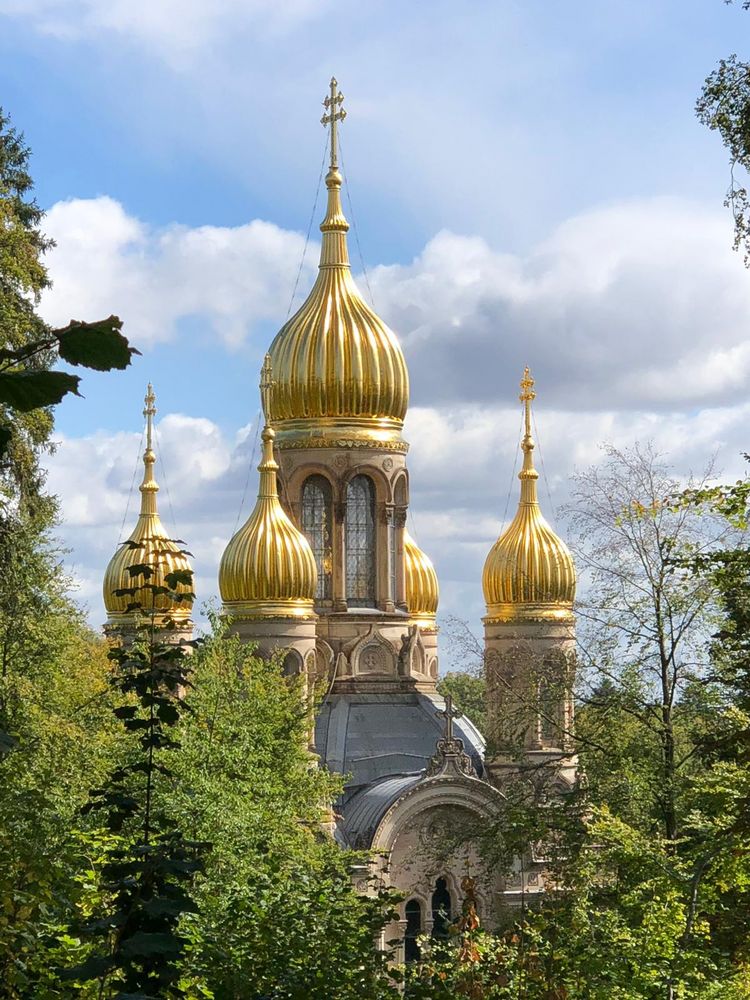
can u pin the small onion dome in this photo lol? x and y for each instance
(268, 568)
(529, 573)
(340, 374)
(421, 582)
(153, 547)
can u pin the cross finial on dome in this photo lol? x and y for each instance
(335, 113)
(149, 413)
(266, 384)
(449, 714)
(527, 397)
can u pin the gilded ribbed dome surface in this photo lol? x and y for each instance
(268, 568)
(152, 546)
(339, 373)
(529, 572)
(421, 581)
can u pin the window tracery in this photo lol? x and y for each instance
(317, 523)
(360, 542)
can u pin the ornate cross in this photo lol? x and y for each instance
(526, 397)
(266, 384)
(149, 413)
(449, 714)
(334, 114)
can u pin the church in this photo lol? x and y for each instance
(325, 574)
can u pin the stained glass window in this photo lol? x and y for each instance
(317, 528)
(360, 543)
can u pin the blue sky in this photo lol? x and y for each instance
(529, 183)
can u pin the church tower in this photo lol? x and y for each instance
(529, 584)
(267, 575)
(148, 544)
(336, 403)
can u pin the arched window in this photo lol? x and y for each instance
(360, 543)
(441, 910)
(317, 528)
(413, 914)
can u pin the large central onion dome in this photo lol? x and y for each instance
(268, 568)
(340, 376)
(421, 583)
(529, 573)
(147, 544)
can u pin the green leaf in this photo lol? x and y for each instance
(143, 943)
(177, 577)
(141, 569)
(25, 391)
(98, 345)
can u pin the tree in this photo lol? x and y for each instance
(724, 107)
(149, 863)
(278, 916)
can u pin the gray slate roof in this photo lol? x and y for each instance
(383, 742)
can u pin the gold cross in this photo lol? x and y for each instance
(149, 413)
(266, 385)
(334, 114)
(449, 714)
(527, 386)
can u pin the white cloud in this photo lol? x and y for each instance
(105, 261)
(634, 318)
(175, 28)
(638, 304)
(633, 305)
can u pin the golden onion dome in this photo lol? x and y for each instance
(529, 573)
(421, 582)
(148, 544)
(268, 569)
(339, 371)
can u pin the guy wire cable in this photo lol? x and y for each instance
(513, 473)
(250, 466)
(160, 456)
(132, 483)
(354, 224)
(309, 229)
(541, 462)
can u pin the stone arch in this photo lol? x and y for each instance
(291, 665)
(373, 654)
(400, 489)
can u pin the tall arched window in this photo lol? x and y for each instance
(441, 910)
(413, 914)
(317, 526)
(360, 543)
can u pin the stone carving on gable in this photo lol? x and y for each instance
(323, 659)
(373, 654)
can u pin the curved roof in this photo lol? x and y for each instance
(365, 809)
(372, 736)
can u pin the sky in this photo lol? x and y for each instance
(529, 185)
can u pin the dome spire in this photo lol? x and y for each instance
(149, 487)
(147, 543)
(528, 474)
(334, 251)
(268, 568)
(339, 372)
(529, 574)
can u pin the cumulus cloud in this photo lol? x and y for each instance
(175, 28)
(230, 277)
(631, 305)
(637, 305)
(462, 463)
(633, 317)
